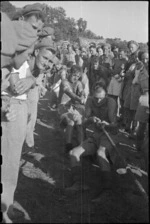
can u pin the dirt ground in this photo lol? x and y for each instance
(41, 197)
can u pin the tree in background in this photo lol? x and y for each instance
(67, 28)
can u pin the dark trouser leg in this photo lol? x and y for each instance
(140, 135)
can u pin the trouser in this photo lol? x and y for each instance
(140, 135)
(129, 116)
(13, 136)
(32, 107)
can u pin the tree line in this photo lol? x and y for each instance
(67, 28)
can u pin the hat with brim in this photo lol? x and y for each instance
(32, 9)
(46, 43)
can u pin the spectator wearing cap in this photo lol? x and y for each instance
(33, 14)
(93, 57)
(115, 51)
(85, 59)
(40, 61)
(69, 56)
(106, 60)
(14, 104)
(78, 57)
(129, 112)
(99, 51)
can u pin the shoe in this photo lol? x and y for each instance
(68, 147)
(29, 150)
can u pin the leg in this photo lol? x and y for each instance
(12, 141)
(32, 105)
(87, 148)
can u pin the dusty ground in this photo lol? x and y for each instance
(42, 180)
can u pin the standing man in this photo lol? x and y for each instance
(14, 107)
(43, 55)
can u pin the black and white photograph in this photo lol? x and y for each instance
(74, 112)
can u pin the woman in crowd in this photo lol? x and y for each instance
(127, 83)
(114, 88)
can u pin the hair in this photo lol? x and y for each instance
(76, 69)
(92, 46)
(140, 53)
(98, 85)
(99, 48)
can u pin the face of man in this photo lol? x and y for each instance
(133, 48)
(93, 51)
(99, 95)
(43, 58)
(74, 77)
(145, 58)
(35, 22)
(106, 51)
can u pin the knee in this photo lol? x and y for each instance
(76, 152)
(101, 151)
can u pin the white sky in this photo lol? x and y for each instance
(127, 20)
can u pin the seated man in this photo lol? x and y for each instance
(99, 108)
(71, 108)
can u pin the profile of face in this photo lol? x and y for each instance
(145, 58)
(99, 94)
(74, 77)
(36, 23)
(43, 58)
(133, 48)
(100, 51)
(96, 65)
(106, 51)
(92, 51)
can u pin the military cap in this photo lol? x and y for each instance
(26, 35)
(47, 43)
(32, 8)
(47, 31)
(132, 42)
